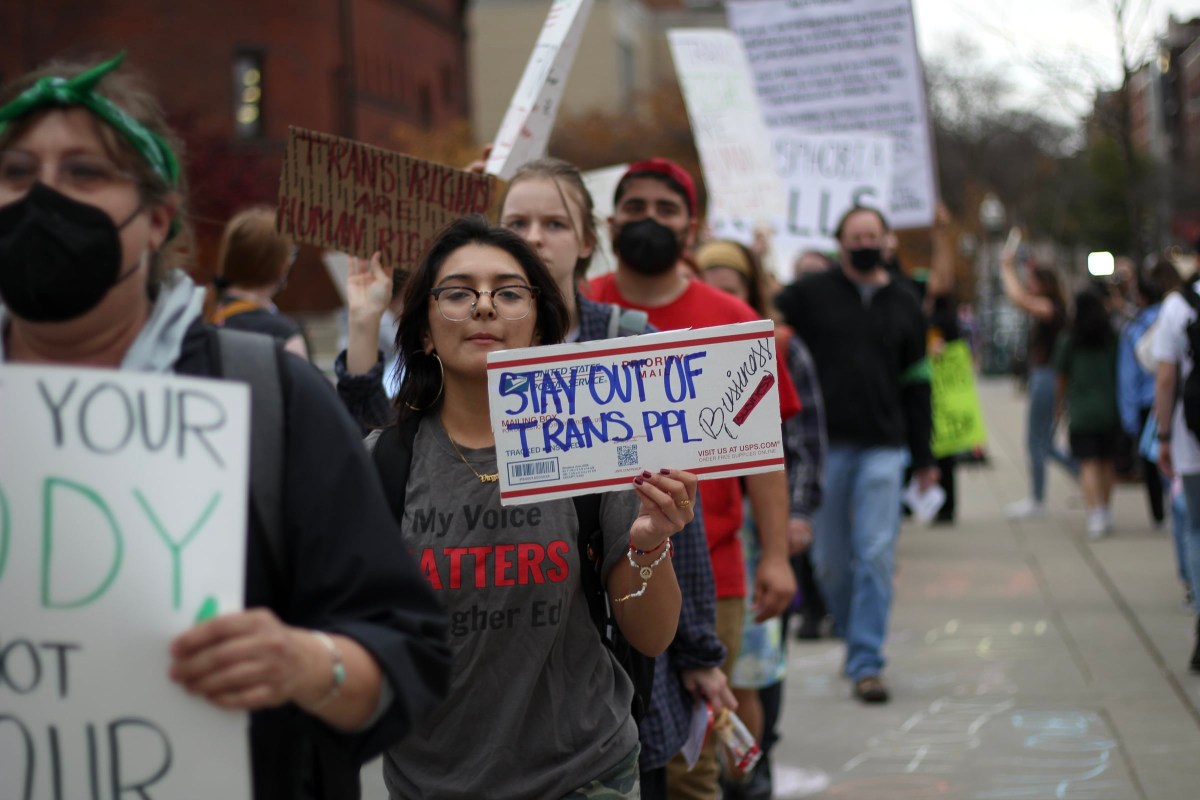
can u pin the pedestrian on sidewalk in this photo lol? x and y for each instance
(341, 647)
(548, 205)
(1042, 298)
(761, 666)
(1086, 362)
(252, 268)
(1178, 448)
(654, 223)
(867, 335)
(1135, 380)
(538, 706)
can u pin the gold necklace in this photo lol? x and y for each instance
(487, 477)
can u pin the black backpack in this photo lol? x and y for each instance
(393, 458)
(1190, 393)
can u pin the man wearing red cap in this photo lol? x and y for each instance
(653, 224)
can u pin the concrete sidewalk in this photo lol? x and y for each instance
(1024, 660)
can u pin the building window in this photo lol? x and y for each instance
(248, 94)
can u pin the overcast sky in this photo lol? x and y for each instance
(1048, 47)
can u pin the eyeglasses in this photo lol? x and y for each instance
(80, 172)
(457, 303)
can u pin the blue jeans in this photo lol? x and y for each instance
(1191, 548)
(854, 547)
(1179, 532)
(1039, 431)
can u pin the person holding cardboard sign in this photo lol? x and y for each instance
(538, 707)
(91, 194)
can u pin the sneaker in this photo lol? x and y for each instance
(1024, 509)
(871, 689)
(1098, 525)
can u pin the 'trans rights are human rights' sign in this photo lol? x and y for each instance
(578, 418)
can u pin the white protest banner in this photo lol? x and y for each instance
(845, 65)
(602, 185)
(727, 123)
(525, 129)
(122, 523)
(825, 174)
(572, 419)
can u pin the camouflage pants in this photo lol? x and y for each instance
(619, 783)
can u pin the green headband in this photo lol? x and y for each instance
(78, 91)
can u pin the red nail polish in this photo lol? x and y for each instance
(664, 472)
(645, 473)
(638, 481)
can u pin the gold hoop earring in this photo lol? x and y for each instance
(441, 385)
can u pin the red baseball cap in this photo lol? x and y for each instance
(664, 166)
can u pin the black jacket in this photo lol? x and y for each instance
(345, 571)
(870, 359)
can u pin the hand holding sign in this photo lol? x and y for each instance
(246, 660)
(668, 503)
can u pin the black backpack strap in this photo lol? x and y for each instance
(639, 667)
(253, 360)
(591, 559)
(393, 458)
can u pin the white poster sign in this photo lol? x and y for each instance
(525, 129)
(727, 123)
(845, 65)
(825, 174)
(602, 185)
(122, 523)
(572, 419)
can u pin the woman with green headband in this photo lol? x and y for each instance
(90, 192)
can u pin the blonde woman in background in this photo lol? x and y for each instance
(252, 267)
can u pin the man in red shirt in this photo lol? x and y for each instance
(653, 224)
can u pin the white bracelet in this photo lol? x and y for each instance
(339, 669)
(644, 571)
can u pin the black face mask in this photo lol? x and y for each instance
(58, 257)
(647, 247)
(865, 259)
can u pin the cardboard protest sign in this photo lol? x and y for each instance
(957, 416)
(578, 418)
(354, 198)
(525, 129)
(122, 522)
(845, 65)
(825, 174)
(727, 123)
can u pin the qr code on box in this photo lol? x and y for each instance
(627, 455)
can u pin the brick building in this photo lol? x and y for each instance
(234, 74)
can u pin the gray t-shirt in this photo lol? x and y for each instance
(537, 706)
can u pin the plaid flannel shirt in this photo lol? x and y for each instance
(804, 441)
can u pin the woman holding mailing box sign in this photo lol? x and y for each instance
(538, 706)
(340, 650)
(548, 205)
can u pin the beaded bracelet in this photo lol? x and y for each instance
(638, 552)
(645, 570)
